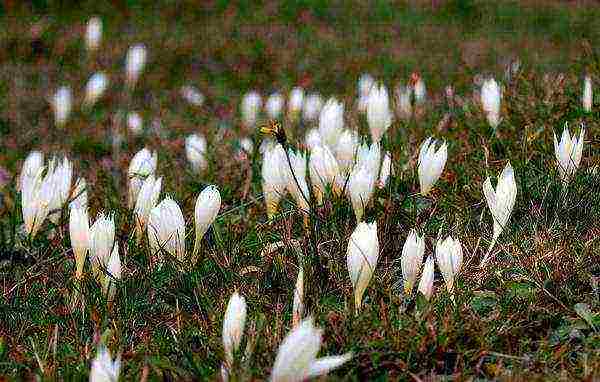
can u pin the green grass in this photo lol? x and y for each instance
(515, 320)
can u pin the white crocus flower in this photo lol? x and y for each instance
(361, 185)
(426, 282)
(331, 121)
(79, 233)
(34, 163)
(313, 139)
(404, 102)
(146, 201)
(365, 83)
(166, 229)
(431, 164)
(143, 164)
(192, 95)
(500, 202)
(379, 113)
(93, 34)
(297, 360)
(113, 273)
(362, 256)
(568, 152)
(298, 302)
(324, 170)
(195, 152)
(79, 196)
(296, 183)
(62, 179)
(412, 259)
(588, 95)
(95, 88)
(233, 327)
(102, 241)
(104, 369)
(312, 107)
(386, 170)
(345, 150)
(135, 61)
(295, 103)
(250, 106)
(274, 105)
(449, 256)
(62, 103)
(37, 193)
(274, 182)
(206, 210)
(490, 101)
(419, 89)
(135, 123)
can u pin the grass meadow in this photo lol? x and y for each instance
(532, 313)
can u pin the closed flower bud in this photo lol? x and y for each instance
(166, 230)
(331, 121)
(386, 170)
(295, 102)
(426, 282)
(62, 103)
(146, 201)
(113, 273)
(37, 193)
(404, 102)
(345, 150)
(135, 63)
(274, 105)
(62, 179)
(233, 326)
(500, 202)
(361, 259)
(143, 164)
(324, 170)
(379, 114)
(419, 89)
(449, 256)
(251, 104)
(588, 96)
(298, 303)
(296, 182)
(297, 360)
(95, 88)
(79, 232)
(195, 151)
(274, 182)
(192, 95)
(34, 163)
(365, 83)
(247, 145)
(568, 152)
(104, 369)
(102, 240)
(135, 123)
(93, 33)
(490, 101)
(431, 164)
(206, 210)
(313, 139)
(412, 258)
(361, 185)
(312, 107)
(369, 156)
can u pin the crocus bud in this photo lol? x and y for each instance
(274, 182)
(104, 369)
(312, 107)
(62, 102)
(93, 33)
(386, 170)
(298, 303)
(331, 121)
(312, 139)
(195, 151)
(113, 273)
(233, 326)
(143, 164)
(297, 360)
(345, 150)
(102, 240)
(79, 196)
(431, 164)
(490, 101)
(419, 89)
(568, 152)
(412, 258)
(166, 230)
(369, 156)
(37, 192)
(79, 232)
(324, 170)
(296, 182)
(449, 256)
(361, 185)
(426, 282)
(588, 96)
(192, 95)
(62, 179)
(251, 104)
(379, 114)
(146, 201)
(135, 63)
(361, 259)
(135, 123)
(274, 105)
(295, 102)
(95, 88)
(365, 83)
(403, 102)
(207, 208)
(247, 145)
(500, 202)
(34, 163)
